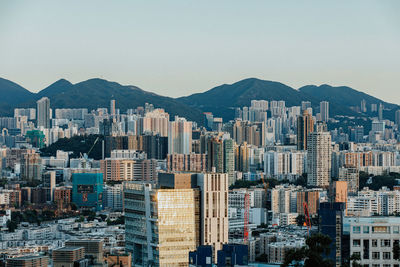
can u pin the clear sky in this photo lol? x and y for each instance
(177, 48)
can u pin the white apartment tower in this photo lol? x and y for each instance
(319, 153)
(324, 110)
(43, 113)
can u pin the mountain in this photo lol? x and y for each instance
(59, 87)
(95, 93)
(222, 99)
(12, 94)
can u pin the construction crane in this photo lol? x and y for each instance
(307, 221)
(246, 218)
(90, 150)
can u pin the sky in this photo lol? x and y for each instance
(177, 48)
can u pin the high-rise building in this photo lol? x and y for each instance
(31, 166)
(119, 169)
(351, 176)
(191, 162)
(319, 150)
(338, 191)
(380, 112)
(305, 125)
(324, 110)
(363, 106)
(180, 136)
(397, 118)
(162, 225)
(112, 108)
(214, 209)
(331, 224)
(43, 113)
(229, 160)
(87, 190)
(305, 105)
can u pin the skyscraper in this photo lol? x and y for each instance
(380, 112)
(112, 107)
(162, 225)
(319, 150)
(214, 209)
(43, 112)
(397, 117)
(324, 110)
(305, 125)
(180, 136)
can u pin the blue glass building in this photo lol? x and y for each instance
(87, 190)
(201, 257)
(331, 224)
(233, 255)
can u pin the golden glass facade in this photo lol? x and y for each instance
(178, 225)
(162, 225)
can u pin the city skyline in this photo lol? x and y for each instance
(168, 48)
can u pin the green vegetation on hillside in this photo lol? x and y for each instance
(77, 144)
(388, 180)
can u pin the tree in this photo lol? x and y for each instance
(354, 260)
(11, 225)
(313, 254)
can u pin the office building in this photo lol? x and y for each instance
(43, 113)
(305, 125)
(319, 150)
(162, 225)
(87, 190)
(331, 223)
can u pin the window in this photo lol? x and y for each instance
(386, 255)
(385, 243)
(374, 243)
(356, 243)
(380, 229)
(376, 255)
(357, 253)
(356, 229)
(395, 229)
(366, 229)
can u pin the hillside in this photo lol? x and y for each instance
(222, 100)
(95, 93)
(12, 94)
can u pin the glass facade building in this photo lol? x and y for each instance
(162, 225)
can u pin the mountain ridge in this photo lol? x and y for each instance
(221, 100)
